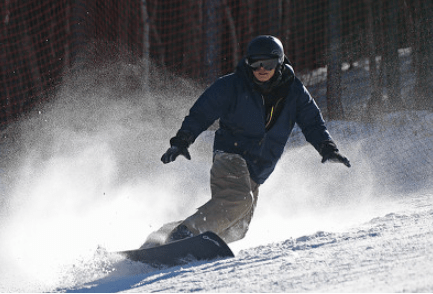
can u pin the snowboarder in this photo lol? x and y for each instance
(257, 107)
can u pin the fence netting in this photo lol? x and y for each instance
(382, 51)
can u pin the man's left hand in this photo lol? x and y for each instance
(330, 153)
(334, 156)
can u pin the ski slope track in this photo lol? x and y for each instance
(391, 253)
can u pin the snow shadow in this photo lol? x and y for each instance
(126, 275)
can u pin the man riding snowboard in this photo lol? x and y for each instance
(257, 107)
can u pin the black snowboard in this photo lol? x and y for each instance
(206, 246)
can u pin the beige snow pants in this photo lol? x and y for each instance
(234, 197)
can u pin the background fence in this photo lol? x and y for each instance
(41, 40)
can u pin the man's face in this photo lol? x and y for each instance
(263, 75)
(263, 70)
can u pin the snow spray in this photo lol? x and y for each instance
(87, 173)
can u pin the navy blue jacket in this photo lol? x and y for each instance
(239, 105)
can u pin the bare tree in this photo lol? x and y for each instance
(333, 93)
(146, 45)
(272, 12)
(4, 90)
(375, 101)
(232, 32)
(391, 62)
(192, 52)
(285, 23)
(246, 31)
(423, 54)
(212, 39)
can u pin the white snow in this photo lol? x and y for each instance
(84, 178)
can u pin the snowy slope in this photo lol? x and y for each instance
(391, 253)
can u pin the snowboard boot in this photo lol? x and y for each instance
(179, 233)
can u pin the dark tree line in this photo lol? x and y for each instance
(201, 39)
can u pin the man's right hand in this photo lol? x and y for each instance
(173, 152)
(179, 146)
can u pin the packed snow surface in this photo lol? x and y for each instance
(391, 253)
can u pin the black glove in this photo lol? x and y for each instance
(179, 146)
(329, 151)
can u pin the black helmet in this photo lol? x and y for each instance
(265, 47)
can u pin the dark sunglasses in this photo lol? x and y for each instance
(268, 64)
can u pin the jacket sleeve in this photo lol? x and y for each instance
(309, 117)
(209, 107)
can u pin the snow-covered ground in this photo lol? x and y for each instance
(390, 253)
(84, 178)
